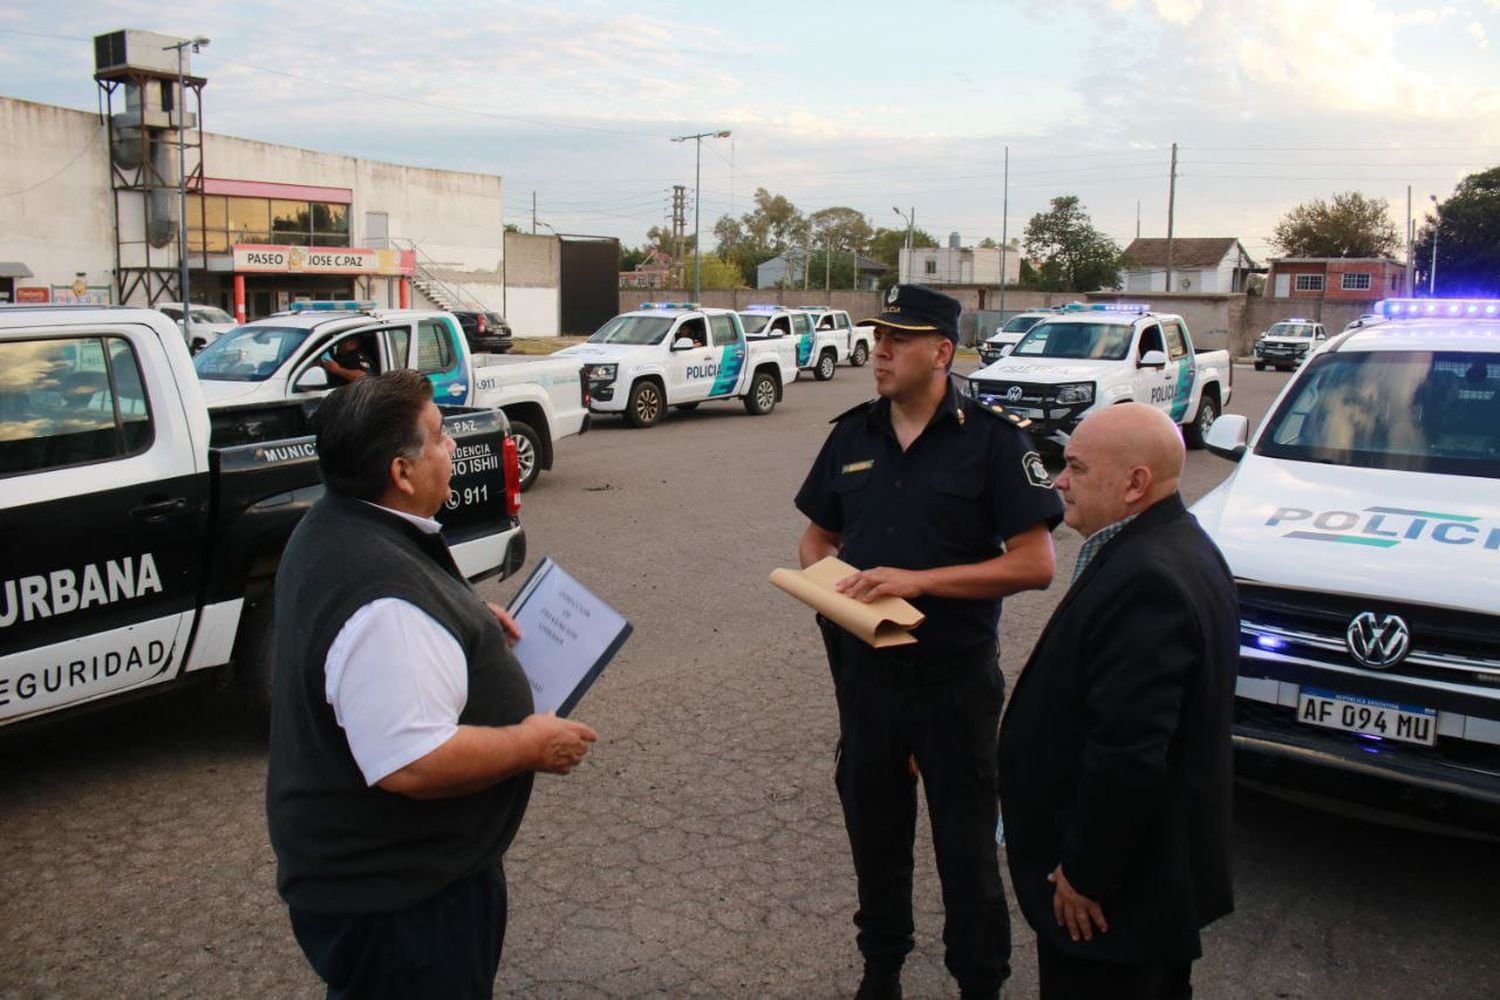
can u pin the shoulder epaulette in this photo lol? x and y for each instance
(996, 410)
(853, 410)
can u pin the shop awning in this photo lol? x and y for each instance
(14, 269)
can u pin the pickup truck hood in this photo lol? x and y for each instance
(595, 353)
(217, 392)
(1046, 370)
(1401, 535)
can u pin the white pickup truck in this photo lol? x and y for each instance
(776, 327)
(679, 355)
(835, 339)
(141, 540)
(1089, 356)
(277, 358)
(1287, 343)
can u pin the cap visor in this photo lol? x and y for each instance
(898, 322)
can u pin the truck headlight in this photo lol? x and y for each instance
(1076, 392)
(602, 373)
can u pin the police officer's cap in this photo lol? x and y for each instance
(919, 308)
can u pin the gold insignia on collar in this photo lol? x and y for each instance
(960, 415)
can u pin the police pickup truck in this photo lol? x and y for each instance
(1088, 356)
(140, 544)
(772, 326)
(835, 339)
(254, 369)
(677, 354)
(1000, 343)
(1286, 344)
(1362, 522)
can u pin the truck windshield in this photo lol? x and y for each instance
(1409, 411)
(1094, 341)
(1303, 330)
(248, 353)
(754, 323)
(1020, 324)
(635, 330)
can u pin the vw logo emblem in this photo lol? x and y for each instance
(1378, 641)
(1013, 394)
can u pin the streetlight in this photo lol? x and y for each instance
(910, 222)
(182, 258)
(697, 178)
(1432, 274)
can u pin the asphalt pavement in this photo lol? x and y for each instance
(699, 851)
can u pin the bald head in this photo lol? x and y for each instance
(1120, 461)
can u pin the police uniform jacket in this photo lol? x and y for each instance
(1115, 755)
(971, 480)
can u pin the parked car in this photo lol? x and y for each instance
(207, 323)
(485, 331)
(1288, 343)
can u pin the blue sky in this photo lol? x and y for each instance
(872, 105)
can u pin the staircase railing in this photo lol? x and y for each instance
(458, 296)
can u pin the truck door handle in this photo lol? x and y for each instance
(160, 510)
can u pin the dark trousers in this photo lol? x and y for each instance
(944, 712)
(448, 945)
(1068, 977)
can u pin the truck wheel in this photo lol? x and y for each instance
(860, 356)
(528, 452)
(762, 396)
(1260, 366)
(645, 406)
(1208, 411)
(255, 657)
(826, 363)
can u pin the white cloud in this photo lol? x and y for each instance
(1476, 31)
(1179, 11)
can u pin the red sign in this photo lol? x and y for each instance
(33, 295)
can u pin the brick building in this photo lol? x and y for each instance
(1336, 278)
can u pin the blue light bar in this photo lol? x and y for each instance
(1294, 319)
(1269, 642)
(761, 307)
(669, 305)
(1130, 307)
(335, 305)
(1445, 308)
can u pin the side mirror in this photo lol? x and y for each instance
(682, 344)
(1153, 359)
(1227, 437)
(1005, 349)
(314, 378)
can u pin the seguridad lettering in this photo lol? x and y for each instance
(63, 591)
(83, 673)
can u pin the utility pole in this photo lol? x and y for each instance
(1436, 225)
(1171, 210)
(1004, 231)
(679, 228)
(827, 259)
(697, 215)
(533, 213)
(1410, 264)
(182, 241)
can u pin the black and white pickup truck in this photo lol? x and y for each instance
(141, 543)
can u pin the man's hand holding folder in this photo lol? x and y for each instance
(878, 621)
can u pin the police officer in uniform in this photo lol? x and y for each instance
(941, 500)
(348, 361)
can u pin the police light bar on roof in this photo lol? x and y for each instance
(761, 307)
(335, 305)
(669, 305)
(1444, 308)
(1130, 307)
(1294, 319)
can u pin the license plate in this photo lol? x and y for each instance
(1368, 717)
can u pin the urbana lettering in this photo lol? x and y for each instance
(83, 673)
(63, 591)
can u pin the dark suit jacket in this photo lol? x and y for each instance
(1115, 755)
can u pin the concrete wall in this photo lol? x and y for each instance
(56, 213)
(533, 271)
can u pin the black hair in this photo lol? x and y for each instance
(364, 425)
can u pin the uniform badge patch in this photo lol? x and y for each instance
(1036, 471)
(868, 463)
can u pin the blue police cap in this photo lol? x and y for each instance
(919, 308)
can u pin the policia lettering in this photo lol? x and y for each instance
(63, 590)
(148, 658)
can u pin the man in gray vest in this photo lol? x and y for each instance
(403, 740)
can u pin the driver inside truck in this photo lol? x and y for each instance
(348, 361)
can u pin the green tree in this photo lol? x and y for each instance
(773, 227)
(717, 272)
(1068, 252)
(840, 229)
(1352, 225)
(1467, 226)
(886, 244)
(631, 256)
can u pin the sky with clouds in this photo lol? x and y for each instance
(873, 106)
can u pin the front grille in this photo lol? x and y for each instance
(1446, 644)
(1451, 758)
(1037, 401)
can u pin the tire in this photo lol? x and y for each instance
(1208, 411)
(761, 399)
(255, 656)
(825, 367)
(685, 407)
(1260, 366)
(645, 407)
(860, 356)
(528, 452)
